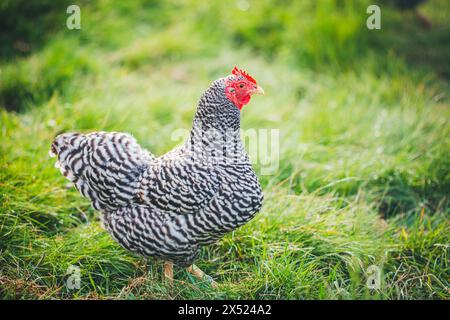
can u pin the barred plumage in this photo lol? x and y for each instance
(168, 206)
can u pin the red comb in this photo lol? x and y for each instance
(238, 72)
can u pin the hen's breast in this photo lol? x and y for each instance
(237, 201)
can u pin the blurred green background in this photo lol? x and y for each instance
(364, 173)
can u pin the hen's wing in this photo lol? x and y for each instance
(178, 183)
(104, 166)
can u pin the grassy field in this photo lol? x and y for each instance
(364, 120)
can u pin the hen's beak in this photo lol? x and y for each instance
(258, 90)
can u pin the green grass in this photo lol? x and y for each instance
(364, 120)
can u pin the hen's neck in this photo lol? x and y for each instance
(215, 111)
(216, 127)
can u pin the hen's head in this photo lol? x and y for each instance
(220, 104)
(240, 86)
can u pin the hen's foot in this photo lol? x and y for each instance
(196, 272)
(168, 272)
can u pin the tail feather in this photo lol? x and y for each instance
(104, 166)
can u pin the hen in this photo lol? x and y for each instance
(168, 206)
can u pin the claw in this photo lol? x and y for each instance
(196, 272)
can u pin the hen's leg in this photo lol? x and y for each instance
(196, 272)
(168, 272)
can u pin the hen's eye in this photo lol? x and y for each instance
(241, 85)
